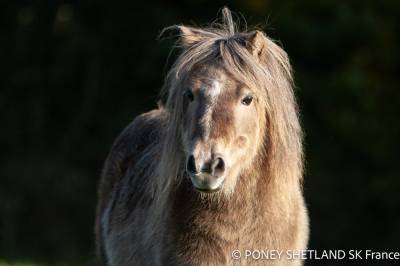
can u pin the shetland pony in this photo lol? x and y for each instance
(215, 169)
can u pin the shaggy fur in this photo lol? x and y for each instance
(148, 212)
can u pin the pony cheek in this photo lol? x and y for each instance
(240, 146)
(243, 148)
(241, 142)
(237, 152)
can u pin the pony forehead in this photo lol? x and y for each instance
(212, 80)
(213, 90)
(217, 62)
(214, 87)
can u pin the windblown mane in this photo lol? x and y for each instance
(271, 78)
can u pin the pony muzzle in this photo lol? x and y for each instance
(209, 177)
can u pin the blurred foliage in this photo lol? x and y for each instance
(74, 73)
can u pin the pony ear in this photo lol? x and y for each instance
(256, 44)
(189, 36)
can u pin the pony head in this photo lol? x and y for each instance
(231, 106)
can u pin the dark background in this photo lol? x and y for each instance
(73, 74)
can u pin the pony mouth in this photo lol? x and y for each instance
(208, 190)
(207, 184)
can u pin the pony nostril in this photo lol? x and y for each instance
(191, 165)
(218, 167)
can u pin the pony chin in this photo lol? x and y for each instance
(227, 187)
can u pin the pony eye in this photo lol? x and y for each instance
(189, 95)
(247, 100)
